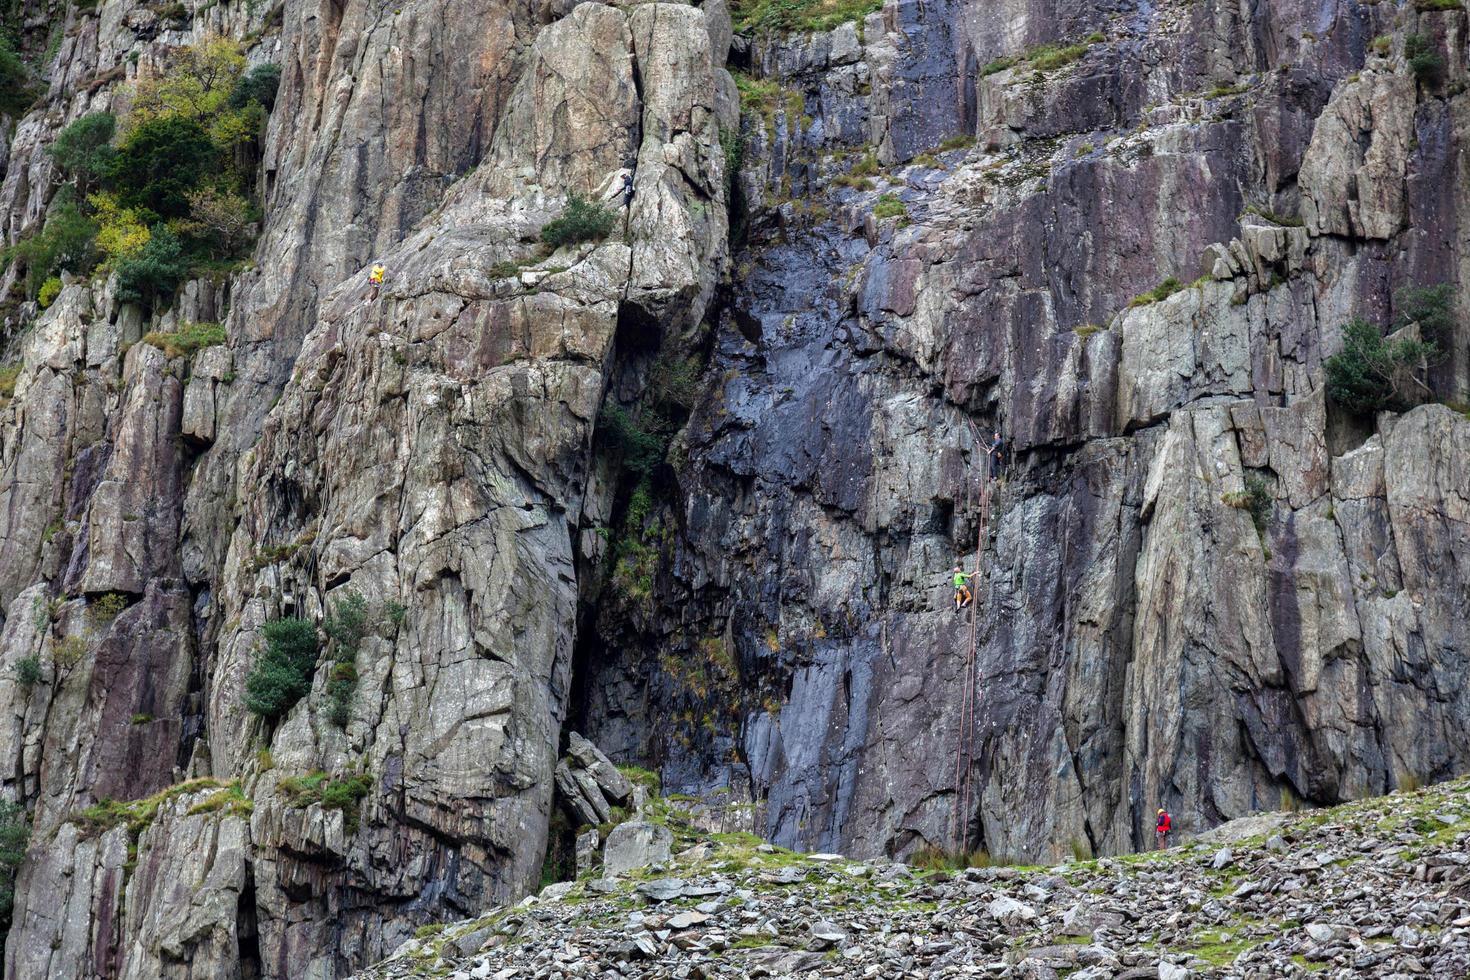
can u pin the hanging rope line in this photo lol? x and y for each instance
(964, 757)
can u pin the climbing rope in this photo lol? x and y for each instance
(964, 757)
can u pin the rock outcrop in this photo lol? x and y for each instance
(590, 785)
(1142, 640)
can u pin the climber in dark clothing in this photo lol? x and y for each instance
(997, 455)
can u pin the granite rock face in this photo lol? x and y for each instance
(1201, 584)
(427, 449)
(1139, 641)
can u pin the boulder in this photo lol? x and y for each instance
(635, 844)
(614, 785)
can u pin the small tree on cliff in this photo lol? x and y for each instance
(15, 836)
(582, 221)
(1371, 374)
(1375, 373)
(281, 675)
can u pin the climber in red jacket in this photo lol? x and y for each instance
(1162, 828)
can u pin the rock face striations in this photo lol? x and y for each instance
(690, 483)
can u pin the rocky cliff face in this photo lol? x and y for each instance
(1140, 642)
(824, 286)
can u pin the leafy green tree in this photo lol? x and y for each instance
(281, 675)
(259, 84)
(122, 232)
(160, 162)
(17, 91)
(196, 84)
(64, 243)
(1371, 374)
(219, 220)
(84, 149)
(155, 272)
(15, 837)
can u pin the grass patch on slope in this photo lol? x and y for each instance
(791, 16)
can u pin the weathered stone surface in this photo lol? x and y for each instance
(1353, 173)
(613, 784)
(635, 844)
(772, 627)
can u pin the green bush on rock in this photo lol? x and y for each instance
(65, 243)
(1371, 374)
(582, 221)
(84, 152)
(15, 837)
(1423, 59)
(259, 84)
(17, 90)
(345, 626)
(345, 794)
(281, 674)
(156, 271)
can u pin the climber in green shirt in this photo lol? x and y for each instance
(962, 594)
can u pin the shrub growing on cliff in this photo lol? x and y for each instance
(582, 221)
(1371, 374)
(343, 794)
(9, 375)
(1255, 500)
(28, 671)
(15, 837)
(639, 443)
(155, 272)
(64, 243)
(46, 295)
(345, 626)
(281, 674)
(259, 84)
(17, 91)
(84, 151)
(1162, 291)
(1423, 60)
(1432, 307)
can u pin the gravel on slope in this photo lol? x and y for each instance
(1379, 889)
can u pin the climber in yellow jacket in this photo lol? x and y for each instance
(375, 278)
